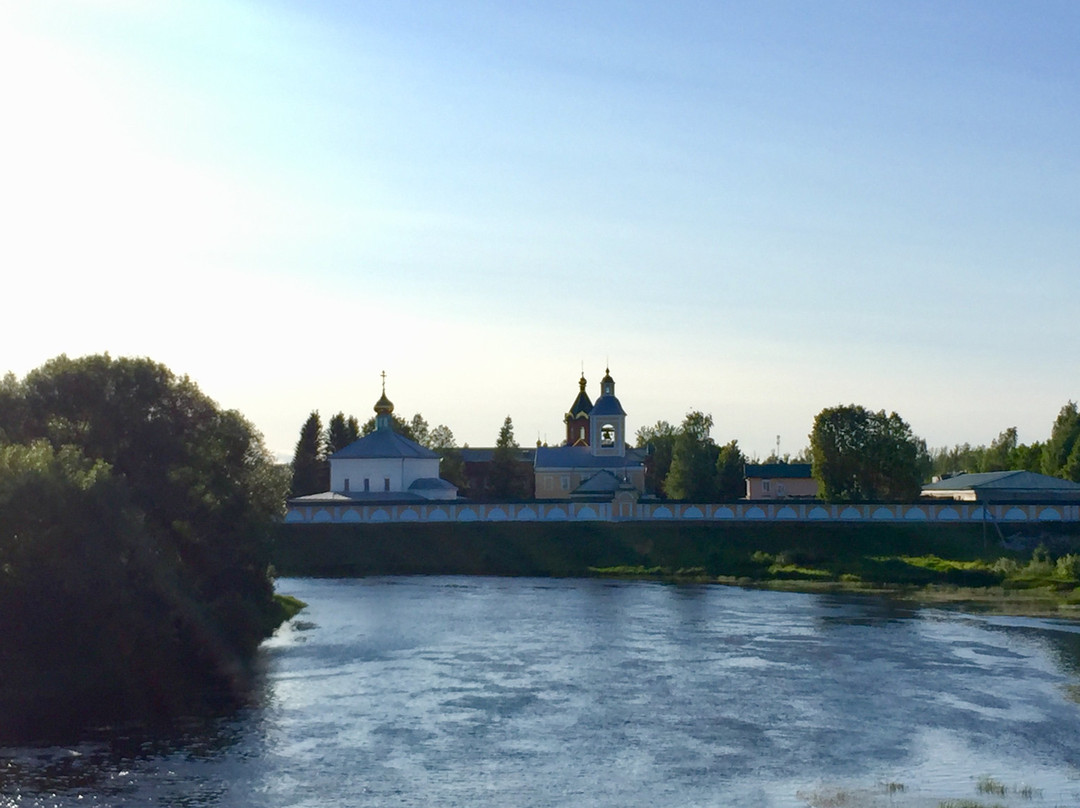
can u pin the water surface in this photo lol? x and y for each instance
(445, 691)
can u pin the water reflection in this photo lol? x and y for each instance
(454, 691)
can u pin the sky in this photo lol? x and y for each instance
(752, 209)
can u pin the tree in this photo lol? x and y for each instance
(451, 463)
(1001, 454)
(509, 477)
(310, 473)
(659, 439)
(860, 455)
(340, 432)
(149, 508)
(441, 438)
(692, 475)
(1028, 457)
(731, 472)
(1057, 459)
(419, 430)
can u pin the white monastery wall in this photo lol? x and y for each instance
(671, 511)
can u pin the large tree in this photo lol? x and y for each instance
(451, 463)
(692, 475)
(731, 472)
(861, 455)
(659, 439)
(509, 478)
(1061, 454)
(340, 432)
(149, 510)
(310, 473)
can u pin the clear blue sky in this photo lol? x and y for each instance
(753, 209)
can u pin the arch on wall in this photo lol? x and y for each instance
(585, 512)
(948, 514)
(754, 513)
(914, 514)
(496, 514)
(294, 516)
(662, 512)
(466, 515)
(883, 513)
(526, 514)
(723, 512)
(817, 512)
(322, 515)
(851, 512)
(437, 515)
(555, 513)
(1049, 515)
(350, 515)
(408, 515)
(787, 512)
(693, 512)
(380, 515)
(1015, 515)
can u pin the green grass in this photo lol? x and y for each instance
(940, 564)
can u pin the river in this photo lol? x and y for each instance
(442, 691)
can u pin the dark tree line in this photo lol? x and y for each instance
(685, 463)
(135, 520)
(1059, 456)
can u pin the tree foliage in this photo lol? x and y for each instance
(509, 478)
(693, 471)
(730, 472)
(340, 432)
(310, 472)
(1061, 456)
(861, 455)
(659, 439)
(134, 532)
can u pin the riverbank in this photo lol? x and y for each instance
(959, 565)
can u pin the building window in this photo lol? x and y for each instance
(367, 484)
(386, 484)
(565, 482)
(581, 435)
(607, 435)
(346, 484)
(765, 484)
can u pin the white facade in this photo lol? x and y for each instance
(380, 474)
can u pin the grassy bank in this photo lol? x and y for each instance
(929, 563)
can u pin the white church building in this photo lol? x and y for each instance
(382, 467)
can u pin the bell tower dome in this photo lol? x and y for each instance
(607, 421)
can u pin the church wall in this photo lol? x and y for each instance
(402, 472)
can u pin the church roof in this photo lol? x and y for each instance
(607, 405)
(432, 484)
(793, 471)
(581, 457)
(582, 405)
(383, 443)
(601, 482)
(1005, 482)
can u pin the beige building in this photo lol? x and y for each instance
(780, 481)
